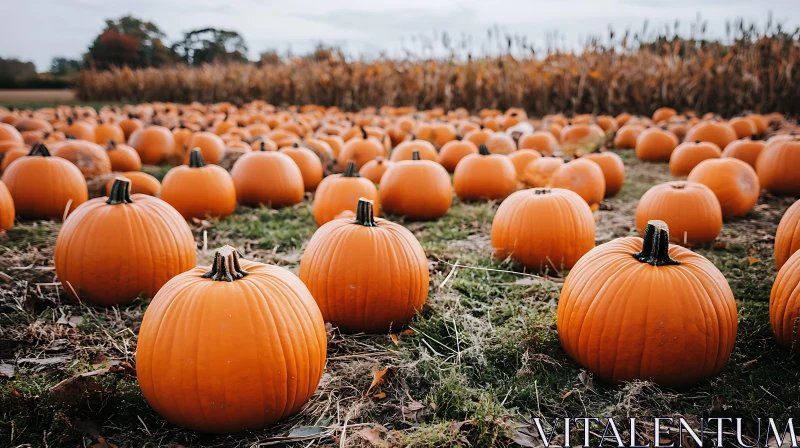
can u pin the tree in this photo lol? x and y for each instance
(61, 66)
(129, 41)
(211, 45)
(11, 69)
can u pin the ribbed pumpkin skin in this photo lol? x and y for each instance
(109, 254)
(734, 183)
(417, 189)
(745, 150)
(374, 169)
(688, 154)
(583, 177)
(89, 157)
(613, 170)
(691, 210)
(787, 238)
(197, 192)
(123, 158)
(454, 151)
(376, 287)
(404, 151)
(141, 183)
(106, 132)
(784, 304)
(624, 319)
(655, 145)
(337, 193)
(519, 232)
(7, 211)
(777, 167)
(487, 177)
(223, 357)
(43, 186)
(310, 165)
(267, 177)
(360, 151)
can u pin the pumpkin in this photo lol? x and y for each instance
(335, 142)
(543, 142)
(643, 309)
(734, 183)
(340, 192)
(235, 346)
(123, 157)
(9, 134)
(581, 138)
(89, 157)
(376, 252)
(717, 132)
(154, 144)
(787, 238)
(404, 150)
(442, 133)
(79, 130)
(655, 145)
(607, 123)
(310, 165)
(613, 170)
(743, 127)
(374, 169)
(209, 143)
(454, 151)
(583, 177)
(539, 172)
(130, 125)
(267, 177)
(500, 143)
(199, 190)
(102, 259)
(519, 231)
(784, 304)
(745, 150)
(7, 212)
(777, 167)
(106, 132)
(263, 144)
(28, 124)
(626, 136)
(484, 176)
(478, 136)
(690, 209)
(687, 155)
(417, 189)
(623, 118)
(45, 187)
(759, 122)
(141, 183)
(321, 149)
(12, 155)
(360, 150)
(663, 113)
(521, 158)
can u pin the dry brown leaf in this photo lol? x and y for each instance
(378, 377)
(372, 435)
(752, 260)
(415, 411)
(395, 339)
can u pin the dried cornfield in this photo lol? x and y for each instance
(751, 74)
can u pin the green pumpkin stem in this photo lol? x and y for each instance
(196, 159)
(365, 213)
(655, 247)
(226, 267)
(351, 170)
(120, 192)
(39, 149)
(483, 150)
(415, 155)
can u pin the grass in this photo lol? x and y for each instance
(482, 357)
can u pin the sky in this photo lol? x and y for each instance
(38, 30)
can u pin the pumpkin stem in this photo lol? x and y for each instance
(111, 145)
(263, 147)
(364, 134)
(351, 170)
(196, 159)
(541, 191)
(655, 247)
(365, 213)
(120, 191)
(379, 160)
(483, 150)
(226, 266)
(39, 149)
(295, 145)
(415, 155)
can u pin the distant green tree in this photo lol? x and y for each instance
(11, 69)
(211, 45)
(129, 41)
(61, 66)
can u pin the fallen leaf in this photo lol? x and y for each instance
(414, 411)
(378, 378)
(752, 260)
(395, 339)
(408, 332)
(719, 245)
(380, 395)
(372, 435)
(72, 321)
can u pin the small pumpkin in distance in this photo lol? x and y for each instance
(613, 170)
(454, 151)
(543, 142)
(521, 158)
(209, 143)
(655, 145)
(89, 157)
(123, 157)
(539, 172)
(199, 190)
(484, 176)
(310, 165)
(743, 127)
(777, 167)
(787, 237)
(745, 149)
(269, 178)
(141, 183)
(374, 169)
(417, 189)
(714, 131)
(687, 155)
(360, 150)
(691, 210)
(663, 114)
(339, 192)
(404, 150)
(154, 144)
(734, 183)
(12, 155)
(106, 132)
(501, 143)
(194, 348)
(583, 177)
(626, 136)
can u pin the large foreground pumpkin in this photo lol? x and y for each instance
(367, 275)
(643, 309)
(784, 304)
(556, 243)
(787, 238)
(690, 209)
(112, 249)
(238, 345)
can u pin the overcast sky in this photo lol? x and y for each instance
(38, 30)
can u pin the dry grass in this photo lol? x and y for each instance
(56, 96)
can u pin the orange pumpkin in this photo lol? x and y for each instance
(745, 150)
(360, 150)
(340, 192)
(484, 176)
(544, 143)
(404, 150)
(583, 177)
(379, 253)
(478, 137)
(154, 144)
(520, 159)
(269, 178)
(743, 127)
(777, 167)
(519, 231)
(113, 268)
(9, 135)
(199, 190)
(759, 122)
(310, 165)
(321, 149)
(442, 133)
(130, 125)
(374, 169)
(335, 142)
(79, 130)
(717, 132)
(539, 172)
(106, 132)
(734, 183)
(690, 209)
(12, 155)
(663, 113)
(626, 136)
(141, 183)
(787, 238)
(89, 157)
(209, 143)
(193, 347)
(500, 143)
(613, 170)
(656, 145)
(7, 211)
(417, 189)
(687, 155)
(28, 124)
(454, 151)
(784, 304)
(45, 187)
(644, 309)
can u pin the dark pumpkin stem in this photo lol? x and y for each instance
(120, 192)
(379, 160)
(655, 247)
(364, 134)
(226, 267)
(263, 146)
(196, 159)
(39, 149)
(541, 191)
(351, 170)
(365, 213)
(111, 145)
(295, 145)
(483, 150)
(415, 155)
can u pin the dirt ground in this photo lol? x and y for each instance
(53, 96)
